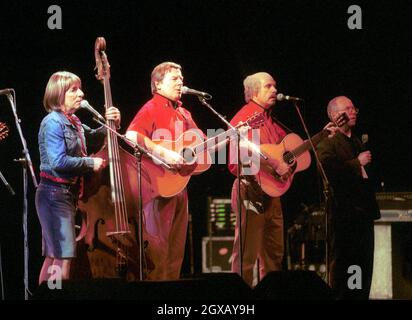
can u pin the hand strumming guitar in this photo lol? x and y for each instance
(281, 168)
(184, 169)
(172, 158)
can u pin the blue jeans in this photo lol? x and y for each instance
(56, 209)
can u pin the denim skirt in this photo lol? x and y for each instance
(56, 209)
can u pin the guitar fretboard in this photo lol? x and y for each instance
(306, 145)
(213, 141)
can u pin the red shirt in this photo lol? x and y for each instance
(269, 131)
(161, 113)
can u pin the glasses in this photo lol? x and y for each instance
(350, 109)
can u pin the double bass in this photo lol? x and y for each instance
(109, 204)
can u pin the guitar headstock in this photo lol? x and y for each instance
(4, 131)
(255, 121)
(341, 120)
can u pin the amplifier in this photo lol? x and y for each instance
(221, 218)
(394, 200)
(395, 216)
(216, 254)
(395, 206)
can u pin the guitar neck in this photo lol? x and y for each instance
(216, 141)
(306, 145)
(210, 144)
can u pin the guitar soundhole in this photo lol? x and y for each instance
(189, 155)
(288, 158)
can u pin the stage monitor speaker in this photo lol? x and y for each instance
(293, 285)
(215, 286)
(216, 254)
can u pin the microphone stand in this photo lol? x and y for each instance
(327, 191)
(25, 162)
(139, 151)
(238, 174)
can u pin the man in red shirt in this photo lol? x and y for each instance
(166, 219)
(262, 219)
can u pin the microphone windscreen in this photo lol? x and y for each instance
(365, 138)
(185, 89)
(84, 104)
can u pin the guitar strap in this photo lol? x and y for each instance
(278, 122)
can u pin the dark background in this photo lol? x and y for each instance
(305, 45)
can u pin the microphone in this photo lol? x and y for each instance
(365, 138)
(365, 147)
(205, 95)
(5, 91)
(85, 105)
(281, 97)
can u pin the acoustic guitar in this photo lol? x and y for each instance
(293, 151)
(194, 149)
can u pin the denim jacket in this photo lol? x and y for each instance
(60, 147)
